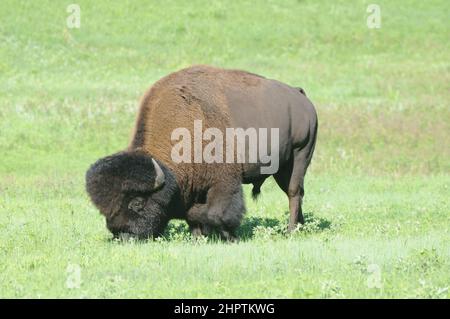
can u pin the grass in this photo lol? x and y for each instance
(376, 204)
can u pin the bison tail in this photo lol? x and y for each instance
(256, 190)
(301, 91)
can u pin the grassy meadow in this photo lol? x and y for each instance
(377, 197)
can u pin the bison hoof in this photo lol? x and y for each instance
(293, 227)
(228, 236)
(196, 232)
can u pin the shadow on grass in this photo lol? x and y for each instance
(251, 227)
(273, 226)
(320, 223)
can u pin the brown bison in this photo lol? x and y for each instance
(141, 188)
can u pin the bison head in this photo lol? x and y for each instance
(133, 192)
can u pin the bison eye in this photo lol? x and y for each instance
(136, 204)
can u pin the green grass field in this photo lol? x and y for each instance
(377, 193)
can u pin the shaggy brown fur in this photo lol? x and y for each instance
(196, 93)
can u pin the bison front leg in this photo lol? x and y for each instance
(223, 210)
(199, 230)
(200, 225)
(197, 220)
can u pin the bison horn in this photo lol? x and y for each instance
(160, 178)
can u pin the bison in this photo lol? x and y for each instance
(141, 188)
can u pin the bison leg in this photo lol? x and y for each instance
(291, 180)
(197, 219)
(198, 230)
(223, 210)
